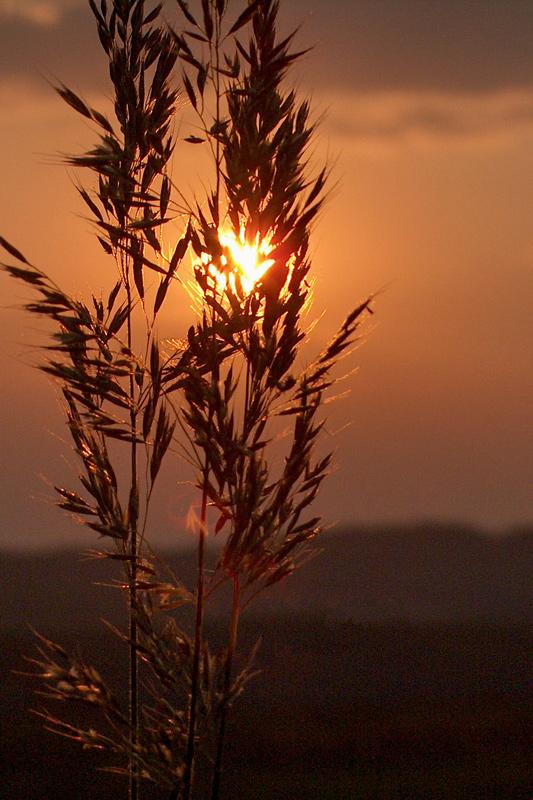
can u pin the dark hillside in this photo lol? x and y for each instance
(426, 573)
(412, 574)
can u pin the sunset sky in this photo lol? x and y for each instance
(427, 121)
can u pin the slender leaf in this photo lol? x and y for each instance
(208, 20)
(13, 251)
(190, 91)
(74, 101)
(245, 17)
(185, 9)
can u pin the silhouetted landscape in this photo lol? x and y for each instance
(395, 664)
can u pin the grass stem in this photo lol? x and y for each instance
(198, 628)
(232, 648)
(133, 553)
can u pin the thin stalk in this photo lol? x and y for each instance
(217, 95)
(200, 589)
(232, 647)
(195, 677)
(133, 553)
(134, 664)
(200, 600)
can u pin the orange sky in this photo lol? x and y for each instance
(428, 120)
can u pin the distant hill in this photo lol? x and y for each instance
(420, 574)
(417, 574)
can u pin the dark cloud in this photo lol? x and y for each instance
(368, 45)
(68, 51)
(478, 45)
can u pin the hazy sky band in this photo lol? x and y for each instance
(428, 122)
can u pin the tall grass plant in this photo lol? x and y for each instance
(214, 400)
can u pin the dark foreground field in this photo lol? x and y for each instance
(341, 711)
(429, 708)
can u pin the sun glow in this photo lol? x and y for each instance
(249, 260)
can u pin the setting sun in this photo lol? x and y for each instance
(248, 259)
